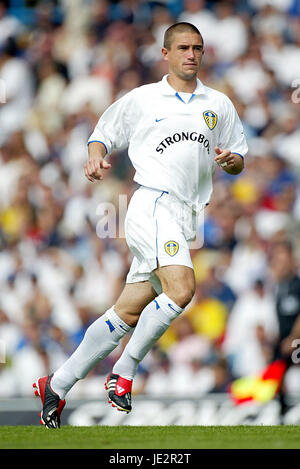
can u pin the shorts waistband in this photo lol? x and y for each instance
(194, 209)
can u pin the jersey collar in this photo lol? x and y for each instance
(167, 89)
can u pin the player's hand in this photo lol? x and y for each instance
(93, 168)
(224, 158)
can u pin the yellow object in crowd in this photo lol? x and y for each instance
(208, 318)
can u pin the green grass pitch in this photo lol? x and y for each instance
(172, 437)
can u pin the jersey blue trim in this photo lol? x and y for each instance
(179, 97)
(99, 141)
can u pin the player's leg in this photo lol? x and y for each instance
(178, 282)
(103, 335)
(160, 244)
(178, 285)
(132, 301)
(154, 233)
(101, 338)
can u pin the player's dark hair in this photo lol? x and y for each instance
(179, 28)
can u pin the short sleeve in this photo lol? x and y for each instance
(232, 133)
(114, 126)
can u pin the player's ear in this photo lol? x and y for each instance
(164, 52)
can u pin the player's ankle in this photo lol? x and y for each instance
(61, 385)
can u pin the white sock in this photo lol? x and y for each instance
(101, 338)
(153, 322)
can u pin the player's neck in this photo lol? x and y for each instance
(183, 86)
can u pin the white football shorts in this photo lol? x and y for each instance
(158, 227)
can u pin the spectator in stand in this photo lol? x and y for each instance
(197, 13)
(250, 332)
(10, 26)
(232, 38)
(18, 79)
(283, 266)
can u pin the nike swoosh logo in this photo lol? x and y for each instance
(158, 120)
(169, 304)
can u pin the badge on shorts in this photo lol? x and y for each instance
(171, 248)
(210, 118)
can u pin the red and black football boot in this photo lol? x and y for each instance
(52, 404)
(119, 392)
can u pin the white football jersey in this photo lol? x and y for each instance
(171, 139)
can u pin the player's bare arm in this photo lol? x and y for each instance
(231, 163)
(96, 162)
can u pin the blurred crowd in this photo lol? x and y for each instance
(61, 64)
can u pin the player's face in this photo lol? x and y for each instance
(185, 55)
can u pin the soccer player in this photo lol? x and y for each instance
(176, 131)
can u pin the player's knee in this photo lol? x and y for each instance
(182, 295)
(178, 283)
